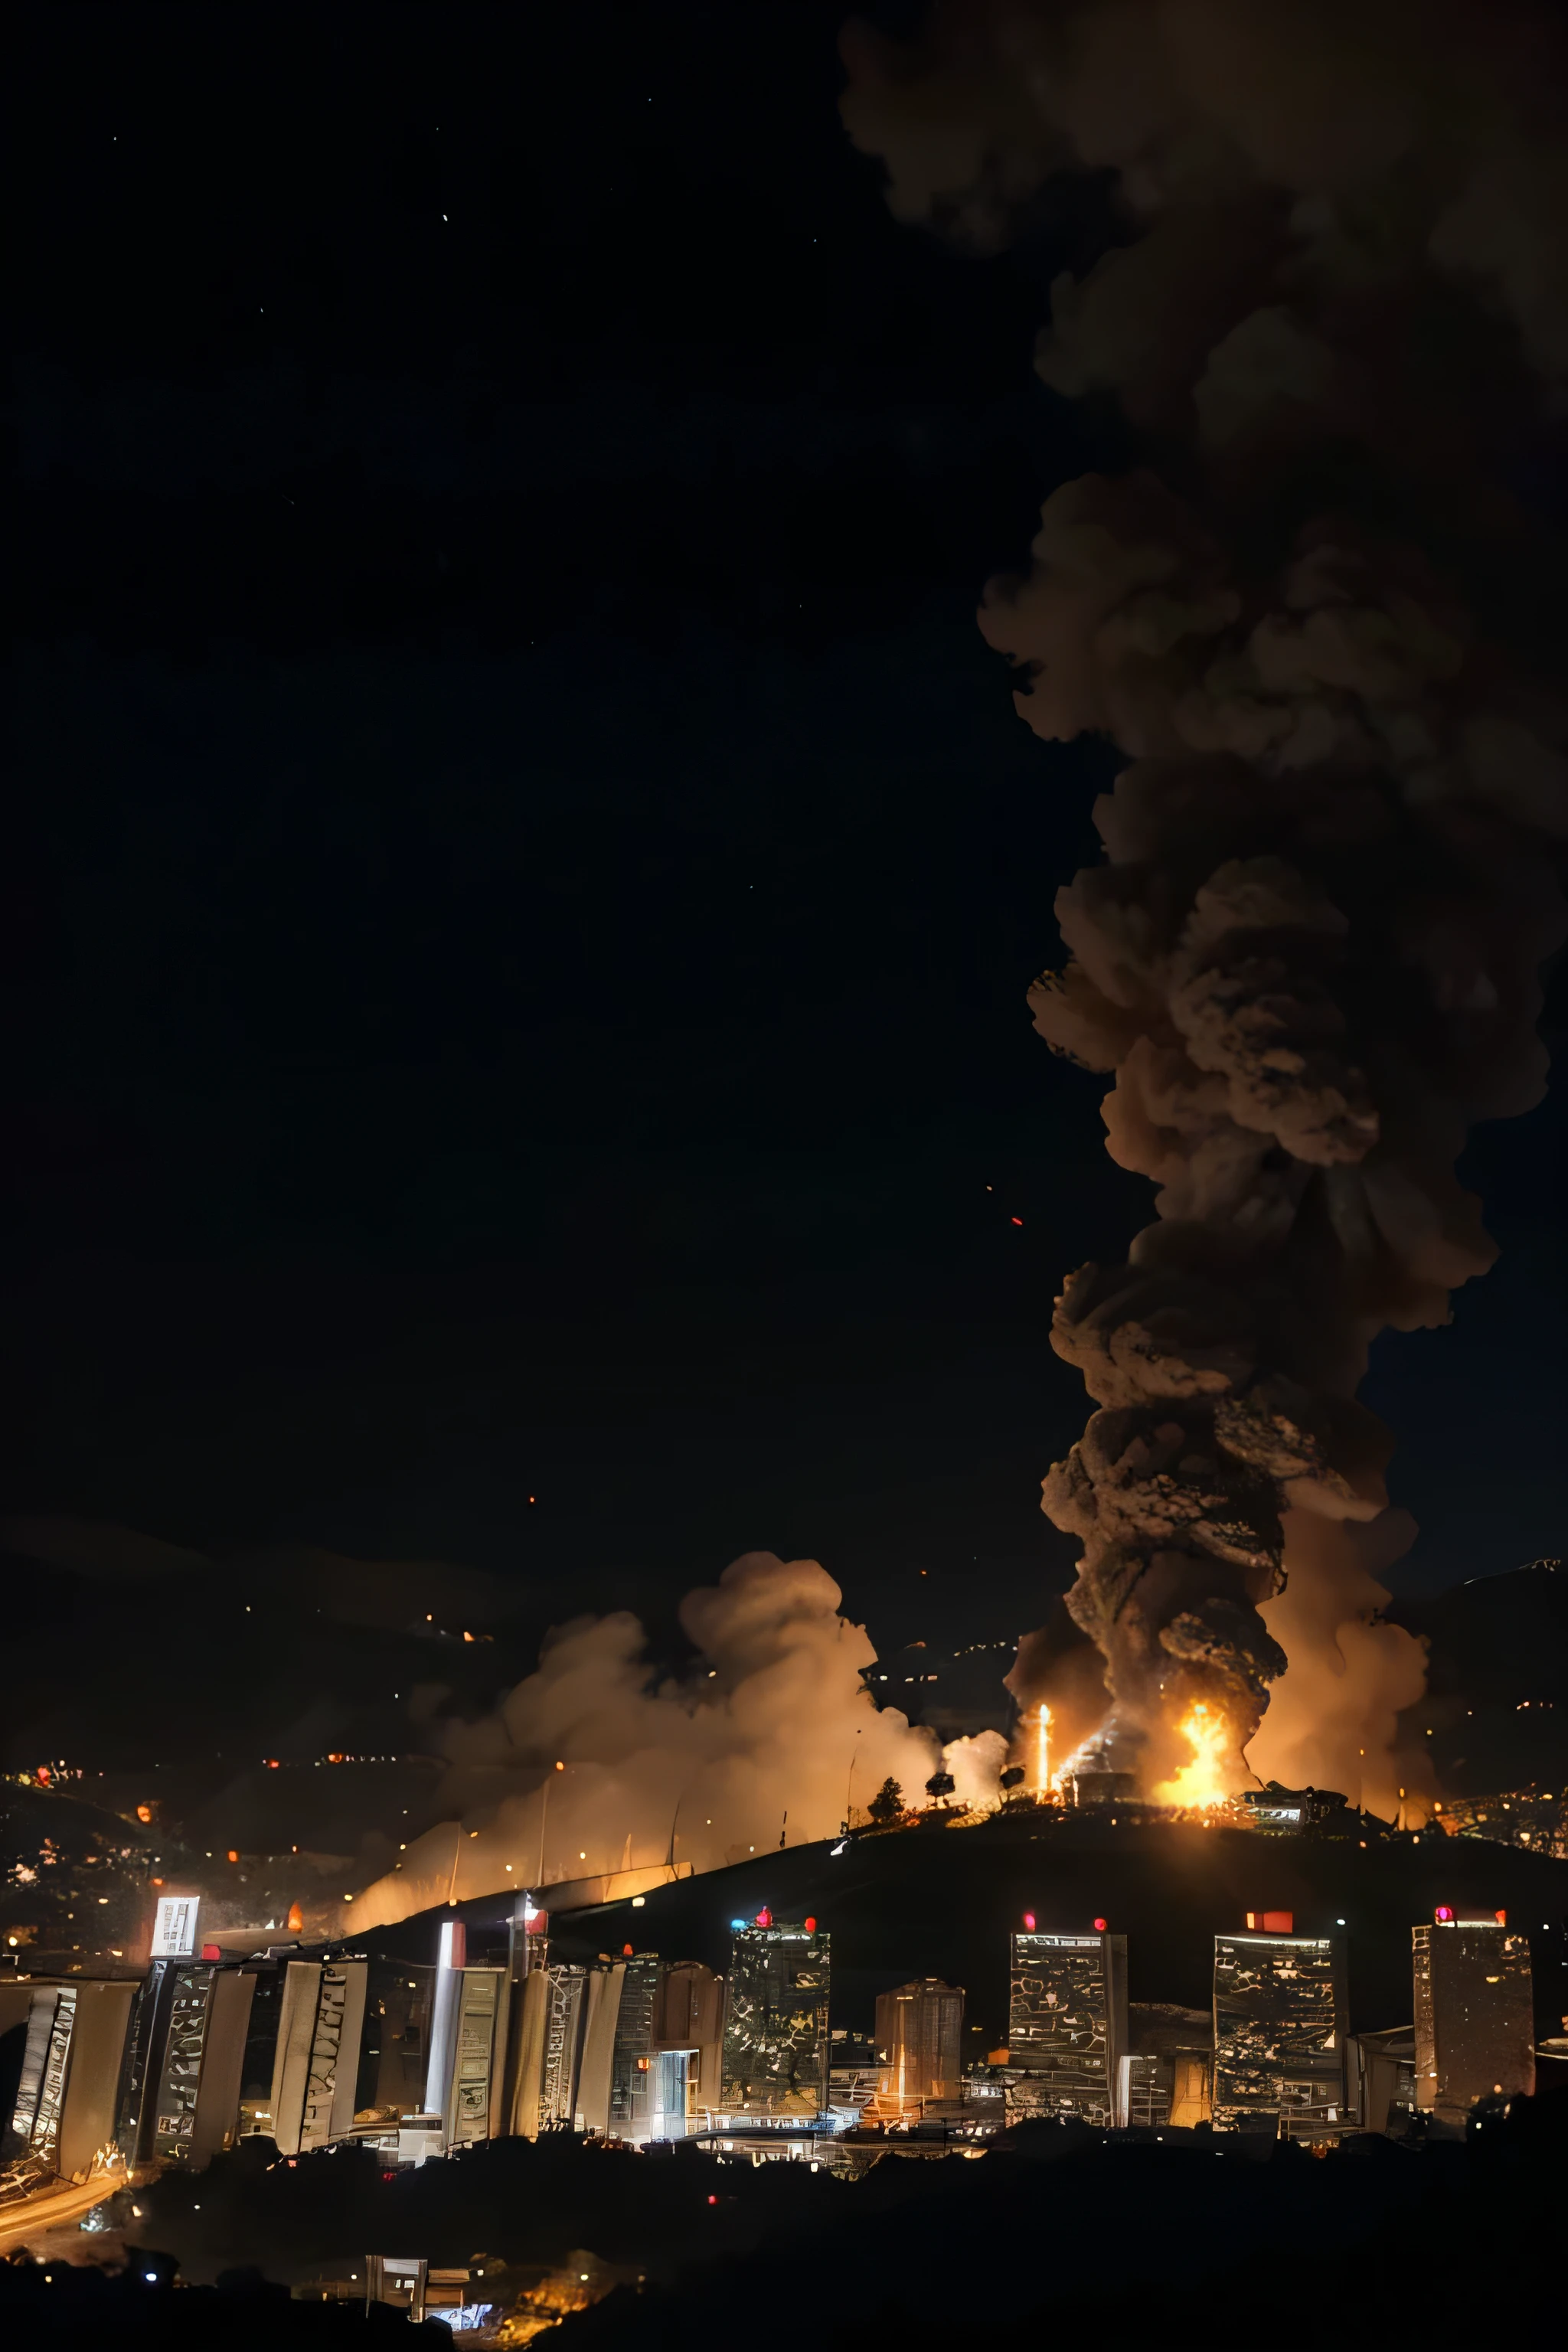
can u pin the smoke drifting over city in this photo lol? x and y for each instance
(592, 1766)
(1333, 315)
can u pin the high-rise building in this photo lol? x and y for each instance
(627, 2049)
(1143, 2088)
(139, 2062)
(1165, 2076)
(72, 2036)
(562, 2051)
(185, 2043)
(478, 2050)
(218, 2089)
(632, 2072)
(1475, 2026)
(46, 2021)
(595, 2073)
(1279, 2034)
(315, 2069)
(1192, 2102)
(1066, 2024)
(1380, 2079)
(398, 2003)
(919, 2038)
(776, 2021)
(689, 2047)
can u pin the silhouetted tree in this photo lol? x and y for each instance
(886, 1804)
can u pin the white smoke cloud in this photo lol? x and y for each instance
(773, 1720)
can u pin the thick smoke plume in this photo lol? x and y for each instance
(768, 1737)
(1332, 313)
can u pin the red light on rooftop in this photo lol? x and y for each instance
(811, 1926)
(1444, 1914)
(764, 1918)
(713, 2200)
(1099, 1927)
(233, 1853)
(625, 1951)
(1030, 1921)
(1501, 1917)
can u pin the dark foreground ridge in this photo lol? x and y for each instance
(1133, 2238)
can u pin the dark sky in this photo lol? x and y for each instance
(527, 875)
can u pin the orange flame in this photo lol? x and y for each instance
(1207, 1779)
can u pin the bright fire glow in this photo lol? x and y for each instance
(1042, 1748)
(1205, 1780)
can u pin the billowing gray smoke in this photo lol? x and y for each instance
(1333, 311)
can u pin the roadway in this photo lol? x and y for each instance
(54, 2207)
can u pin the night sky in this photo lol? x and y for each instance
(526, 875)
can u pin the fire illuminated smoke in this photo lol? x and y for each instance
(598, 1767)
(1332, 306)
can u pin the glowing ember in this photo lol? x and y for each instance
(1207, 1779)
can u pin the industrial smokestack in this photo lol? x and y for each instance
(1334, 294)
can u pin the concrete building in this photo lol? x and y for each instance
(71, 2036)
(473, 2107)
(1165, 2069)
(1475, 2025)
(633, 2078)
(392, 2060)
(920, 2041)
(601, 2016)
(629, 2050)
(1279, 2034)
(1380, 2085)
(180, 2068)
(315, 2068)
(689, 2046)
(775, 2047)
(1142, 2090)
(1066, 2025)
(561, 1999)
(1191, 2088)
